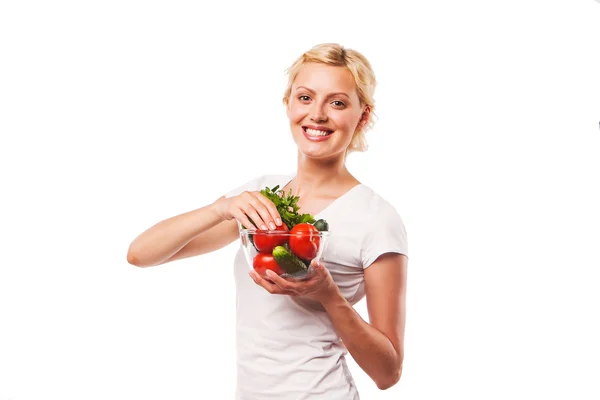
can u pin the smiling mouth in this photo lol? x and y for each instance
(316, 132)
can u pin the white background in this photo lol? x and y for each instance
(117, 114)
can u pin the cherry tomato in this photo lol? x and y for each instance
(265, 241)
(305, 241)
(262, 262)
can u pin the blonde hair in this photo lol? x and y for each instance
(361, 70)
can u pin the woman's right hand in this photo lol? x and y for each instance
(249, 206)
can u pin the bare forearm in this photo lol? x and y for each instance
(371, 349)
(161, 241)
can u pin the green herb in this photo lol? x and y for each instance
(287, 206)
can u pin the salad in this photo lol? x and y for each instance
(289, 249)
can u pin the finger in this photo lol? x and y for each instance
(272, 210)
(318, 268)
(260, 204)
(249, 205)
(269, 287)
(284, 284)
(243, 218)
(251, 212)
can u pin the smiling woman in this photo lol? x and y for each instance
(324, 107)
(293, 336)
(355, 79)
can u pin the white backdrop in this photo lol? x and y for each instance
(117, 114)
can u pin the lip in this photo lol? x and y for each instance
(316, 138)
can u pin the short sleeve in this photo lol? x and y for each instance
(387, 234)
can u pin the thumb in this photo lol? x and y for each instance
(317, 266)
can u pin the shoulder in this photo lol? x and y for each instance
(385, 230)
(366, 213)
(375, 207)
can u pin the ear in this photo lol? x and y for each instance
(364, 118)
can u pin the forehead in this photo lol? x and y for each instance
(325, 79)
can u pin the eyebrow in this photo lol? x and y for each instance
(329, 95)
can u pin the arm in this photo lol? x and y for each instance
(378, 347)
(193, 233)
(203, 230)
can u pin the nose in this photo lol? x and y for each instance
(317, 113)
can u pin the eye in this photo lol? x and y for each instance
(338, 103)
(303, 98)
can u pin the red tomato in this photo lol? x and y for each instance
(262, 262)
(265, 241)
(305, 241)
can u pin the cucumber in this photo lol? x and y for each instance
(306, 262)
(289, 262)
(321, 225)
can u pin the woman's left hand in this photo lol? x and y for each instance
(318, 284)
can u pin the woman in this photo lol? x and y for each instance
(292, 336)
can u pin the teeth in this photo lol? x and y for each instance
(314, 132)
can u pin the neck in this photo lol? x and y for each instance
(314, 174)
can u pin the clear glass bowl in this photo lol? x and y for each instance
(287, 254)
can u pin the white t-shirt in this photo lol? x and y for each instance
(287, 347)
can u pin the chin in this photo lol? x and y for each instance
(321, 153)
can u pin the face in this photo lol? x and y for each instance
(324, 110)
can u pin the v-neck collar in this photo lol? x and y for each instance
(290, 177)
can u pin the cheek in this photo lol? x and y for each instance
(295, 114)
(348, 122)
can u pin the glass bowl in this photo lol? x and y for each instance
(287, 254)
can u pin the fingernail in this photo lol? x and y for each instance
(263, 227)
(272, 225)
(278, 221)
